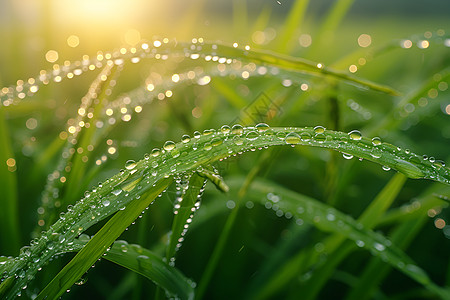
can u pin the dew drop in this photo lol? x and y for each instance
(155, 152)
(355, 135)
(262, 127)
(207, 146)
(320, 138)
(169, 146)
(185, 138)
(130, 164)
(292, 138)
(376, 141)
(238, 140)
(347, 156)
(197, 134)
(117, 192)
(252, 135)
(305, 136)
(385, 168)
(225, 129)
(106, 203)
(319, 129)
(237, 129)
(379, 247)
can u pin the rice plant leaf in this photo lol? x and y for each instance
(186, 203)
(334, 246)
(376, 269)
(99, 244)
(329, 219)
(150, 265)
(188, 156)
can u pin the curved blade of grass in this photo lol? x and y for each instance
(206, 50)
(333, 245)
(329, 219)
(331, 22)
(99, 244)
(10, 238)
(187, 203)
(376, 270)
(187, 156)
(148, 264)
(292, 23)
(340, 249)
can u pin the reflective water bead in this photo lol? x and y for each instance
(252, 135)
(319, 129)
(169, 146)
(355, 135)
(185, 138)
(347, 156)
(292, 138)
(237, 129)
(216, 142)
(376, 141)
(155, 152)
(305, 136)
(320, 137)
(225, 129)
(262, 127)
(197, 134)
(130, 164)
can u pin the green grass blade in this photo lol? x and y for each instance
(334, 246)
(150, 265)
(292, 23)
(332, 20)
(329, 219)
(376, 270)
(9, 222)
(99, 243)
(187, 203)
(188, 156)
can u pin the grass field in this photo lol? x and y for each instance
(224, 150)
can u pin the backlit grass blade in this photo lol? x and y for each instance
(292, 23)
(99, 243)
(10, 238)
(189, 155)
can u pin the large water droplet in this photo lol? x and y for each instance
(185, 138)
(130, 164)
(320, 138)
(106, 202)
(252, 135)
(197, 134)
(347, 156)
(355, 135)
(262, 127)
(292, 138)
(319, 129)
(225, 129)
(305, 136)
(376, 141)
(237, 129)
(169, 146)
(155, 152)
